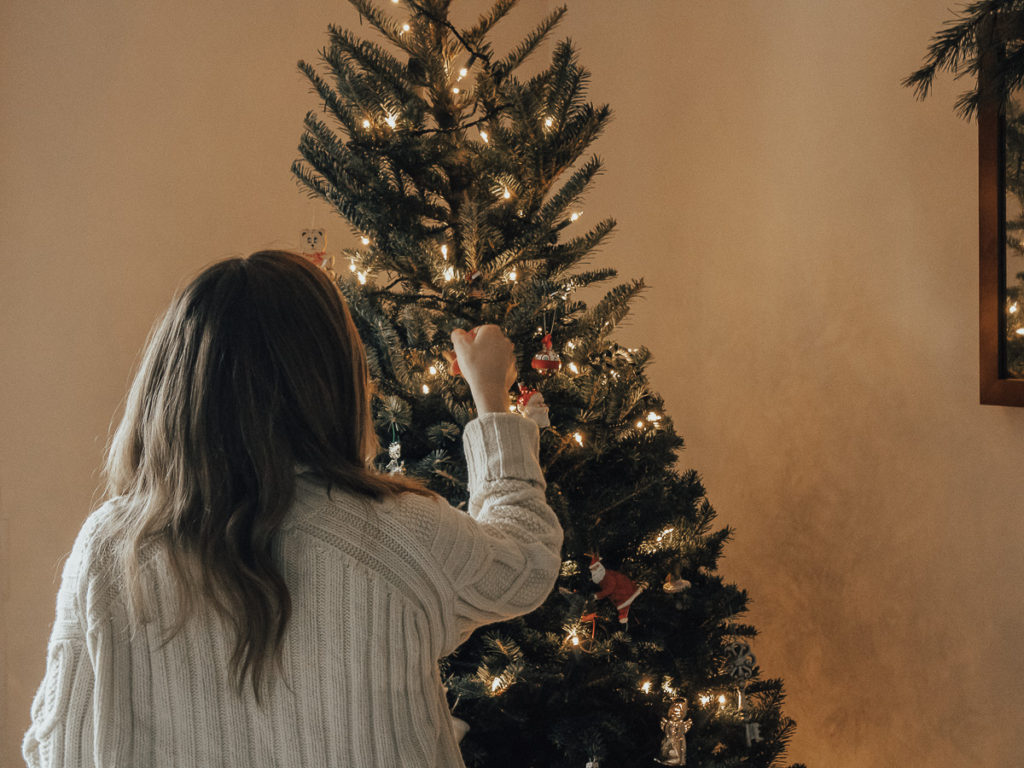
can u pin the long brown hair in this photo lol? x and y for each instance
(256, 367)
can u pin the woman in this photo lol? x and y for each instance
(253, 593)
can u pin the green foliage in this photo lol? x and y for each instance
(465, 190)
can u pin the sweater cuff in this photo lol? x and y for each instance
(502, 445)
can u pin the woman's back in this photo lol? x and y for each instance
(379, 589)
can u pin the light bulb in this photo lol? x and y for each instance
(506, 194)
(652, 416)
(495, 684)
(362, 278)
(575, 640)
(574, 368)
(574, 216)
(426, 389)
(391, 121)
(704, 699)
(455, 90)
(640, 425)
(1013, 308)
(646, 686)
(1019, 331)
(366, 123)
(512, 275)
(449, 274)
(433, 370)
(463, 72)
(406, 27)
(578, 437)
(547, 122)
(511, 409)
(352, 265)
(721, 700)
(483, 135)
(444, 252)
(365, 240)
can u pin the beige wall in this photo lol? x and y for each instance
(809, 233)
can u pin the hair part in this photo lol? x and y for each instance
(255, 367)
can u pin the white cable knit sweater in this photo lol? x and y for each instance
(380, 592)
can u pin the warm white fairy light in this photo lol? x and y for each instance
(483, 135)
(571, 345)
(666, 686)
(496, 684)
(645, 686)
(444, 252)
(577, 437)
(362, 278)
(574, 216)
(463, 72)
(513, 276)
(652, 416)
(426, 389)
(364, 240)
(432, 370)
(351, 265)
(574, 368)
(366, 123)
(511, 409)
(1013, 308)
(548, 122)
(721, 701)
(640, 424)
(406, 28)
(1019, 331)
(704, 699)
(449, 274)
(391, 120)
(455, 89)
(506, 194)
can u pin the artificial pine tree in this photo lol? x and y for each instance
(463, 185)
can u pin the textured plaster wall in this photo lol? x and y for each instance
(809, 235)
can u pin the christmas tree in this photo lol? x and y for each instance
(462, 183)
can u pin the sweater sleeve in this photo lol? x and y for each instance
(61, 730)
(501, 559)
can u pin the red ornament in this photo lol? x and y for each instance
(547, 362)
(617, 587)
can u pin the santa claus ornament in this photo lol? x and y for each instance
(530, 404)
(616, 587)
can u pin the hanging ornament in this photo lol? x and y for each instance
(547, 362)
(395, 466)
(675, 583)
(531, 405)
(675, 725)
(616, 587)
(752, 733)
(313, 247)
(740, 662)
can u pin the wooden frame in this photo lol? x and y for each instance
(996, 387)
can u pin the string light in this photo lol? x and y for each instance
(483, 135)
(1019, 331)
(455, 89)
(578, 438)
(645, 686)
(351, 265)
(406, 28)
(721, 701)
(449, 274)
(574, 368)
(664, 533)
(392, 121)
(571, 345)
(704, 699)
(666, 686)
(433, 370)
(574, 216)
(463, 72)
(366, 123)
(506, 194)
(640, 424)
(547, 122)
(426, 390)
(444, 252)
(365, 240)
(1013, 308)
(652, 416)
(496, 684)
(512, 276)
(362, 278)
